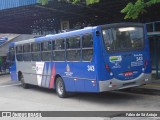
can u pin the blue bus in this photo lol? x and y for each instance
(94, 59)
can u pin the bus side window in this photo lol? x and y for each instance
(46, 51)
(58, 47)
(87, 47)
(73, 52)
(19, 53)
(26, 52)
(59, 44)
(36, 54)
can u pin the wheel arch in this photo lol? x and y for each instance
(56, 76)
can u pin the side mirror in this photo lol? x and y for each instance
(97, 33)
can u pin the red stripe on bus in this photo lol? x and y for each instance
(52, 76)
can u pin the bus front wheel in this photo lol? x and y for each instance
(60, 88)
(24, 85)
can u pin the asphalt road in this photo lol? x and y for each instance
(14, 98)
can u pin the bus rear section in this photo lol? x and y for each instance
(126, 60)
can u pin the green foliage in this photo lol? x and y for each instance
(43, 2)
(74, 1)
(88, 2)
(132, 11)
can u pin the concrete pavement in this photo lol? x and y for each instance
(152, 88)
(14, 98)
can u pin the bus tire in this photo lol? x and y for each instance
(60, 88)
(24, 85)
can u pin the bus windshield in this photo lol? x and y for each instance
(123, 38)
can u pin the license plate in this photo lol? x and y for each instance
(128, 74)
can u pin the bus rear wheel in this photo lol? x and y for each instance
(60, 88)
(24, 85)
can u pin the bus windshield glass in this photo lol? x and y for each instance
(123, 38)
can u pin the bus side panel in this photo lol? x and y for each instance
(90, 86)
(79, 85)
(60, 69)
(85, 77)
(45, 74)
(78, 77)
(69, 84)
(29, 72)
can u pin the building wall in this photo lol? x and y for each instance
(5, 46)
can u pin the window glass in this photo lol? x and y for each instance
(46, 46)
(36, 56)
(73, 55)
(46, 51)
(35, 47)
(19, 54)
(19, 49)
(123, 38)
(26, 52)
(73, 52)
(58, 50)
(59, 55)
(27, 56)
(73, 42)
(87, 47)
(58, 44)
(87, 54)
(87, 41)
(26, 48)
(47, 56)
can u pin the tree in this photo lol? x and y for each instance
(88, 2)
(133, 10)
(43, 2)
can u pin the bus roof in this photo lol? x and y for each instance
(66, 34)
(59, 35)
(74, 33)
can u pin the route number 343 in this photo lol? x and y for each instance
(90, 68)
